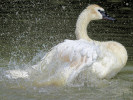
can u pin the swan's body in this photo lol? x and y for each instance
(105, 59)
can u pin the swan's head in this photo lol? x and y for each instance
(96, 12)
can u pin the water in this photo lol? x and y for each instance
(29, 29)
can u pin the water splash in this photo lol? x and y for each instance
(44, 74)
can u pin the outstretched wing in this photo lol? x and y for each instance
(74, 52)
(67, 59)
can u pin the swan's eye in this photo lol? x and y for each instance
(99, 10)
(103, 12)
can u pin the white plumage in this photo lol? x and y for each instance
(76, 50)
(67, 59)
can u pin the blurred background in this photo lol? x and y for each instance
(28, 26)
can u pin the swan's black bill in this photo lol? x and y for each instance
(105, 16)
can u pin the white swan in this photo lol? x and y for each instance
(67, 59)
(105, 59)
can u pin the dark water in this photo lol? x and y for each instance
(28, 29)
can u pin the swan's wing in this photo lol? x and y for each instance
(66, 60)
(74, 52)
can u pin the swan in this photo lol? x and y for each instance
(105, 59)
(66, 60)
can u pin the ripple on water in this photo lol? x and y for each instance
(119, 88)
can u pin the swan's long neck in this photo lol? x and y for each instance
(81, 26)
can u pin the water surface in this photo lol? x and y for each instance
(29, 29)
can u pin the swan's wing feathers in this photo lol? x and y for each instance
(77, 51)
(69, 55)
